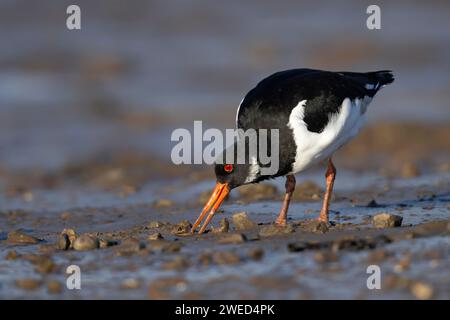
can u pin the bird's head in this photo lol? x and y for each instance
(229, 175)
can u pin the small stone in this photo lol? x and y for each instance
(129, 246)
(409, 170)
(28, 284)
(225, 257)
(171, 247)
(12, 255)
(273, 230)
(65, 215)
(179, 263)
(86, 242)
(315, 226)
(256, 254)
(163, 203)
(155, 224)
(71, 234)
(182, 229)
(63, 242)
(242, 222)
(105, 243)
(54, 287)
(232, 238)
(155, 236)
(422, 291)
(131, 283)
(386, 220)
(19, 238)
(45, 265)
(224, 226)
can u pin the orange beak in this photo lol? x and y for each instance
(219, 194)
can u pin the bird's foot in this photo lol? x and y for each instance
(280, 222)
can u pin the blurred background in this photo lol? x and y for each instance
(77, 100)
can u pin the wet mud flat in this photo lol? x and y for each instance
(138, 245)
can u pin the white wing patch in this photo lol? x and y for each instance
(237, 112)
(253, 171)
(313, 147)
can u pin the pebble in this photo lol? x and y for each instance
(131, 283)
(45, 265)
(232, 238)
(256, 254)
(316, 226)
(386, 220)
(71, 234)
(86, 242)
(242, 222)
(182, 229)
(17, 237)
(155, 224)
(105, 243)
(422, 291)
(54, 287)
(12, 255)
(155, 236)
(129, 246)
(409, 170)
(63, 242)
(179, 263)
(226, 257)
(273, 230)
(160, 288)
(224, 226)
(326, 257)
(28, 284)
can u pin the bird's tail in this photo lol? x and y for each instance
(372, 81)
(383, 77)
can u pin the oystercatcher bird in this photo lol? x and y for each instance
(316, 112)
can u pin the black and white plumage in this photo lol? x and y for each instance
(316, 112)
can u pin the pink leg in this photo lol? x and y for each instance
(290, 187)
(329, 175)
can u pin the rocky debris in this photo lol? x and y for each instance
(409, 170)
(54, 287)
(155, 236)
(386, 220)
(171, 247)
(274, 230)
(163, 203)
(178, 263)
(129, 246)
(300, 246)
(131, 283)
(422, 290)
(12, 255)
(162, 288)
(28, 284)
(105, 243)
(315, 226)
(45, 265)
(86, 242)
(256, 254)
(225, 257)
(20, 238)
(63, 242)
(71, 234)
(224, 226)
(232, 238)
(155, 224)
(182, 229)
(256, 192)
(307, 191)
(242, 222)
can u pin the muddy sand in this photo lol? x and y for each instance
(124, 220)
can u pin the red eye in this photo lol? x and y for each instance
(228, 168)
